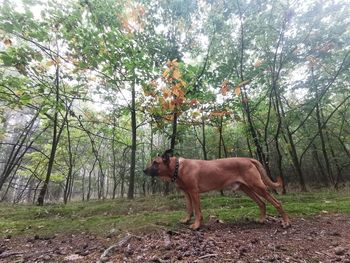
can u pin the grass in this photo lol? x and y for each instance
(149, 213)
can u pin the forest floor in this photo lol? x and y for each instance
(320, 231)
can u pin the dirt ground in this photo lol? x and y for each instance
(322, 238)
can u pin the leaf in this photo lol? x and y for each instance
(224, 88)
(166, 73)
(171, 105)
(25, 99)
(175, 63)
(176, 74)
(218, 113)
(8, 42)
(258, 63)
(50, 63)
(195, 114)
(238, 90)
(166, 93)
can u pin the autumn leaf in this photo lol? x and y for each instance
(258, 63)
(168, 117)
(171, 105)
(176, 74)
(8, 42)
(195, 114)
(238, 90)
(219, 113)
(166, 73)
(179, 101)
(174, 63)
(166, 93)
(224, 88)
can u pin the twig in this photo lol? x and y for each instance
(10, 253)
(208, 256)
(107, 253)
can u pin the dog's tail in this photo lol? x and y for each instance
(267, 181)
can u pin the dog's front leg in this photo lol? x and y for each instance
(197, 209)
(189, 209)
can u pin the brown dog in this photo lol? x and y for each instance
(198, 176)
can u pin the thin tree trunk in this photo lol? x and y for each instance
(133, 143)
(15, 154)
(68, 184)
(172, 145)
(319, 165)
(90, 180)
(83, 185)
(54, 144)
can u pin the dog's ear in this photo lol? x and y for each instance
(166, 156)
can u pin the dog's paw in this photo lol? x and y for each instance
(286, 224)
(195, 226)
(262, 221)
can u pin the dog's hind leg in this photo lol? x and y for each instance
(257, 200)
(189, 209)
(277, 204)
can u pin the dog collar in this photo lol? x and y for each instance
(176, 172)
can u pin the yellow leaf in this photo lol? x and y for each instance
(238, 90)
(175, 63)
(176, 91)
(195, 114)
(166, 73)
(176, 74)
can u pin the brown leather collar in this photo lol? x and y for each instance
(176, 172)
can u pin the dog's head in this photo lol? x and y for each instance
(159, 165)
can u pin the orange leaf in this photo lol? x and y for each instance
(238, 90)
(166, 93)
(171, 105)
(176, 74)
(166, 73)
(175, 63)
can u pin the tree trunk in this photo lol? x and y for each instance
(54, 144)
(133, 143)
(90, 180)
(67, 188)
(172, 145)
